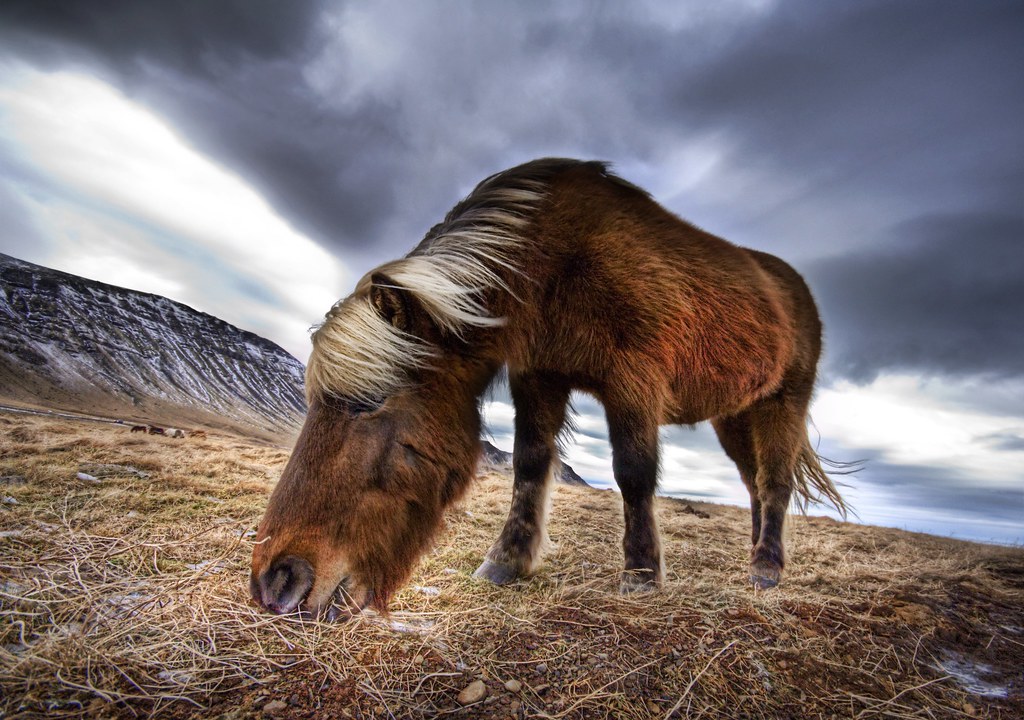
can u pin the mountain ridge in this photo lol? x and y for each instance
(70, 343)
(495, 458)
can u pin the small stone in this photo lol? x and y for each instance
(418, 660)
(541, 668)
(274, 707)
(8, 500)
(473, 693)
(86, 477)
(513, 686)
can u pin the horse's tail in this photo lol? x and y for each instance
(811, 482)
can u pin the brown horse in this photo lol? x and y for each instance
(574, 279)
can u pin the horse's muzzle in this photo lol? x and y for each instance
(286, 586)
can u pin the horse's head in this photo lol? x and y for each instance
(368, 481)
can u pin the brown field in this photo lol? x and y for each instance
(127, 597)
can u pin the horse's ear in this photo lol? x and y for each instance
(395, 304)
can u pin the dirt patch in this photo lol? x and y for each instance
(128, 597)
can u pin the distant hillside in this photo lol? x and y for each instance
(75, 344)
(498, 459)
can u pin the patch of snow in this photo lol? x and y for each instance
(971, 676)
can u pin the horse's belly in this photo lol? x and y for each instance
(699, 394)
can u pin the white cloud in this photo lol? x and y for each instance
(904, 418)
(125, 200)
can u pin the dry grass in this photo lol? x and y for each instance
(127, 597)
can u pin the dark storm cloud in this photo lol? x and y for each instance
(845, 85)
(230, 76)
(881, 134)
(1003, 441)
(943, 295)
(193, 37)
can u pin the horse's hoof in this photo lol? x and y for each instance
(638, 581)
(764, 575)
(760, 582)
(497, 573)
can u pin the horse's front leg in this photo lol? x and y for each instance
(634, 440)
(540, 404)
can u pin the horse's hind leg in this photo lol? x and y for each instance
(737, 440)
(778, 424)
(634, 439)
(540, 413)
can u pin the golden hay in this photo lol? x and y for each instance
(127, 597)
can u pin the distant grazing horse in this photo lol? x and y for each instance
(197, 434)
(574, 279)
(154, 430)
(139, 428)
(174, 433)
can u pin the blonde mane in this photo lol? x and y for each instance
(359, 356)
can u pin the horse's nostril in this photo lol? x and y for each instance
(284, 585)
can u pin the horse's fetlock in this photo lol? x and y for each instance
(768, 552)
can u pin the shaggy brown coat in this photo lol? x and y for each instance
(575, 280)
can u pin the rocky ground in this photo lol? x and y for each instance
(123, 591)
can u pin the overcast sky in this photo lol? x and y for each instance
(254, 159)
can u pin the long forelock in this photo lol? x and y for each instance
(358, 355)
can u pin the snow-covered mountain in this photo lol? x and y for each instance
(75, 344)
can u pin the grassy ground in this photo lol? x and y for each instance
(126, 596)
